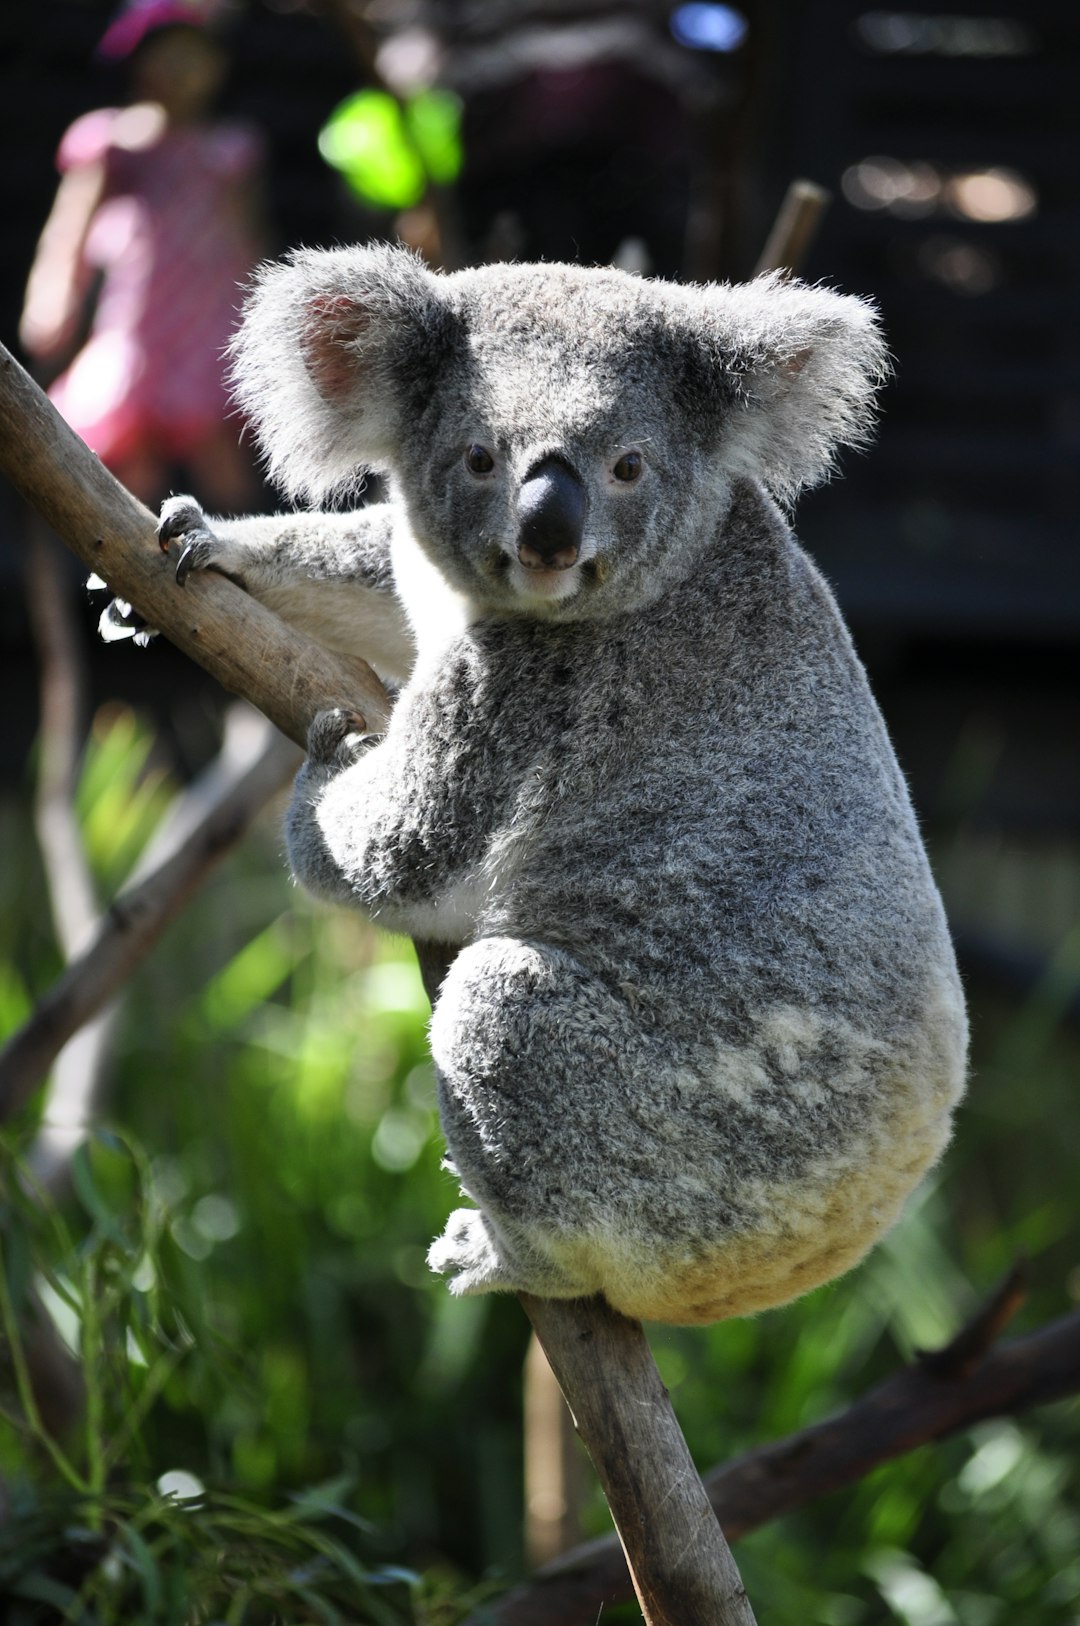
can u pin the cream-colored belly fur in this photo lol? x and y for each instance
(808, 1230)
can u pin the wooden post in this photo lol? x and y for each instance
(793, 229)
(553, 1464)
(682, 1569)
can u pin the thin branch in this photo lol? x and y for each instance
(554, 1466)
(175, 868)
(82, 1066)
(72, 899)
(963, 1353)
(75, 1097)
(914, 1407)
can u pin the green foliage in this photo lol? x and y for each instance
(390, 150)
(122, 795)
(239, 1267)
(92, 1534)
(166, 1557)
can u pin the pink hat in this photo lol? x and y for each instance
(138, 18)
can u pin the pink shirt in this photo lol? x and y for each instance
(173, 241)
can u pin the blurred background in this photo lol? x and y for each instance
(263, 1200)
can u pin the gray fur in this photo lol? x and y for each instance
(705, 1030)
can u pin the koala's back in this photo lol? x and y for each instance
(707, 785)
(705, 819)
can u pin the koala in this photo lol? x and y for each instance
(703, 1031)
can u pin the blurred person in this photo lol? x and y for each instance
(154, 228)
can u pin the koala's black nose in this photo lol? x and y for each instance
(551, 509)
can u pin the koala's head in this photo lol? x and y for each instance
(564, 439)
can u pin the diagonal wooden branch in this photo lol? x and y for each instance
(926, 1402)
(680, 1563)
(165, 882)
(602, 1361)
(250, 651)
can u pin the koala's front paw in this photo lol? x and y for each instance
(337, 737)
(183, 530)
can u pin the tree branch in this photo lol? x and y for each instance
(72, 900)
(211, 817)
(82, 1066)
(554, 1467)
(249, 650)
(682, 1568)
(796, 224)
(915, 1407)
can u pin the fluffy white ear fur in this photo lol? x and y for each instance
(315, 357)
(805, 363)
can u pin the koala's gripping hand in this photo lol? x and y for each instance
(378, 823)
(336, 743)
(187, 535)
(329, 575)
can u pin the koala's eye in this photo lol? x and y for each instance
(478, 460)
(629, 468)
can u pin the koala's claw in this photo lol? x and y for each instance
(196, 554)
(179, 515)
(182, 523)
(337, 737)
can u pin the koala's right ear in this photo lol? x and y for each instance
(792, 369)
(332, 348)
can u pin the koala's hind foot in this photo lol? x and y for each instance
(478, 1260)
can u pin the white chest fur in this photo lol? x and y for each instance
(437, 613)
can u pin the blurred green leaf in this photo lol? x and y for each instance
(86, 1187)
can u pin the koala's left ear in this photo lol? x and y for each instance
(791, 371)
(334, 348)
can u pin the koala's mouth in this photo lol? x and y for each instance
(549, 585)
(536, 584)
